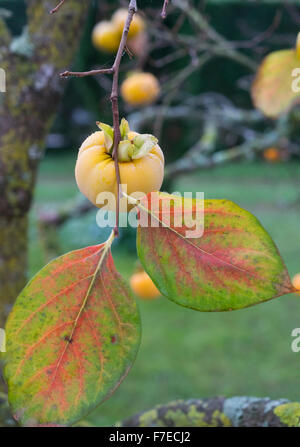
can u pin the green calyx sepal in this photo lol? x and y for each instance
(108, 136)
(143, 144)
(124, 128)
(129, 148)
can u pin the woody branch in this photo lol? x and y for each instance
(54, 10)
(114, 70)
(164, 9)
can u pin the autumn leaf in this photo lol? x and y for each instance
(272, 90)
(72, 336)
(232, 265)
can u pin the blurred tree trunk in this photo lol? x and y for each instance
(239, 411)
(32, 63)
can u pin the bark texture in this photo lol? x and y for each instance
(220, 412)
(32, 63)
(215, 412)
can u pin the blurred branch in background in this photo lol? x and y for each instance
(219, 45)
(217, 117)
(164, 9)
(54, 10)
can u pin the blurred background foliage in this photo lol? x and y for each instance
(184, 353)
(86, 100)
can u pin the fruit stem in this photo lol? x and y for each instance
(54, 10)
(115, 103)
(114, 70)
(164, 9)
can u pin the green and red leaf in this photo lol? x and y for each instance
(232, 265)
(72, 337)
(272, 90)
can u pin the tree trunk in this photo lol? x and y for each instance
(13, 259)
(239, 411)
(32, 64)
(220, 412)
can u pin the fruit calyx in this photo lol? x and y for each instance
(132, 146)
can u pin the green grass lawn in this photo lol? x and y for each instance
(184, 353)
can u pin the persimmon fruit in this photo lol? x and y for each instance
(272, 155)
(106, 37)
(141, 164)
(143, 286)
(119, 19)
(140, 89)
(296, 282)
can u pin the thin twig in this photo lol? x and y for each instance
(223, 46)
(114, 70)
(115, 102)
(174, 85)
(54, 10)
(258, 38)
(164, 9)
(82, 74)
